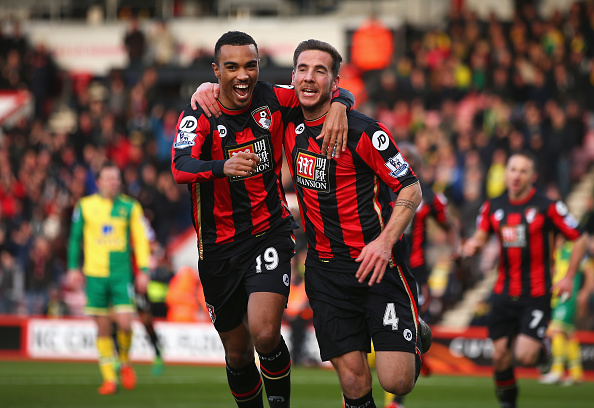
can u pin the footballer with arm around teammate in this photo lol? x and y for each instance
(231, 165)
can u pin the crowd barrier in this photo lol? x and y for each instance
(455, 352)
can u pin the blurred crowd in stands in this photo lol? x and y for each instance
(466, 95)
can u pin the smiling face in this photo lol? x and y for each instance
(520, 175)
(237, 69)
(314, 82)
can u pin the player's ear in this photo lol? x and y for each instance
(293, 78)
(335, 83)
(216, 70)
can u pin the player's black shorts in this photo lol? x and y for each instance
(142, 302)
(512, 316)
(264, 266)
(347, 314)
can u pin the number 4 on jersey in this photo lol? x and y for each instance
(390, 318)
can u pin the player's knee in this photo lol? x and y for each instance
(526, 358)
(354, 384)
(500, 358)
(266, 340)
(400, 385)
(239, 357)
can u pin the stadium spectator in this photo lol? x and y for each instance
(163, 45)
(40, 275)
(185, 298)
(372, 50)
(135, 43)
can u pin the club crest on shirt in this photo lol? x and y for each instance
(530, 214)
(312, 171)
(261, 147)
(263, 117)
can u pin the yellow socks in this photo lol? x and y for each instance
(106, 359)
(124, 342)
(574, 359)
(559, 351)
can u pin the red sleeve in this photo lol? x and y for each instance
(376, 147)
(563, 221)
(483, 222)
(287, 97)
(189, 163)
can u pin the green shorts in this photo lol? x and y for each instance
(564, 314)
(116, 292)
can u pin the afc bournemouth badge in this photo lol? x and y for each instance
(263, 117)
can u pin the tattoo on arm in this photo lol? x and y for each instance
(405, 203)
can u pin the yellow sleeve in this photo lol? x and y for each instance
(139, 237)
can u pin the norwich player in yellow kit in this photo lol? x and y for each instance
(109, 225)
(565, 346)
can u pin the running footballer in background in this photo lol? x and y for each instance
(524, 221)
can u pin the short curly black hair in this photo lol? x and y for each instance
(233, 38)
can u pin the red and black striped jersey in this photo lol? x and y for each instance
(345, 202)
(526, 231)
(227, 211)
(432, 205)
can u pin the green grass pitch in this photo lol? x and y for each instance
(69, 385)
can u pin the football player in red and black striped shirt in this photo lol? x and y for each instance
(358, 286)
(525, 221)
(433, 205)
(232, 165)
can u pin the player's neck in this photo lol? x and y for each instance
(317, 121)
(522, 195)
(316, 112)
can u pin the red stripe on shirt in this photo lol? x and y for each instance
(348, 208)
(537, 256)
(514, 259)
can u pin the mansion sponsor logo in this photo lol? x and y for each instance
(312, 171)
(261, 147)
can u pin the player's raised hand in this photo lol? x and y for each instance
(206, 96)
(241, 164)
(334, 131)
